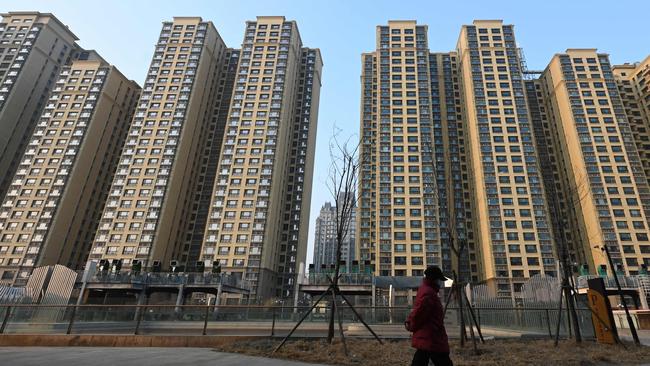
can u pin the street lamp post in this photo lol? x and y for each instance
(630, 323)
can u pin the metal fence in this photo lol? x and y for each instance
(257, 320)
(610, 282)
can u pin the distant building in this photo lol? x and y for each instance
(325, 240)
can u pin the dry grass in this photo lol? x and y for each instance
(496, 352)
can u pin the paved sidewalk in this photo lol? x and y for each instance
(105, 356)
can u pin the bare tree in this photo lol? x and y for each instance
(342, 181)
(343, 177)
(559, 219)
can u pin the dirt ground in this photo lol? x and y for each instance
(494, 352)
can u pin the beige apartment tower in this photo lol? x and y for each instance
(605, 190)
(209, 160)
(414, 204)
(511, 214)
(33, 48)
(451, 165)
(449, 159)
(147, 214)
(634, 86)
(401, 225)
(258, 222)
(51, 210)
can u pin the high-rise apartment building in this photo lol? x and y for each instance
(210, 160)
(33, 48)
(634, 85)
(149, 208)
(52, 208)
(257, 226)
(325, 241)
(547, 154)
(298, 188)
(399, 228)
(605, 191)
(452, 173)
(511, 213)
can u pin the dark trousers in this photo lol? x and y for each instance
(421, 358)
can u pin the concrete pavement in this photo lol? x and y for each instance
(104, 356)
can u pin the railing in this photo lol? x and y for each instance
(259, 320)
(165, 278)
(610, 282)
(344, 279)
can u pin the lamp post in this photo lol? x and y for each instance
(630, 323)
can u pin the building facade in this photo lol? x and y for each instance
(634, 86)
(52, 208)
(399, 231)
(325, 242)
(511, 212)
(257, 223)
(148, 211)
(209, 160)
(33, 48)
(604, 187)
(449, 161)
(452, 173)
(547, 152)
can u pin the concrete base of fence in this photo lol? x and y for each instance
(27, 340)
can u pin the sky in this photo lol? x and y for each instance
(125, 32)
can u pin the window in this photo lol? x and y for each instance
(531, 249)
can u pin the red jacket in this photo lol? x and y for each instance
(426, 320)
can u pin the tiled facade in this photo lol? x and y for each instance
(51, 211)
(33, 48)
(398, 225)
(634, 85)
(257, 225)
(606, 191)
(510, 209)
(147, 214)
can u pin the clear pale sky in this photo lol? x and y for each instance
(124, 33)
